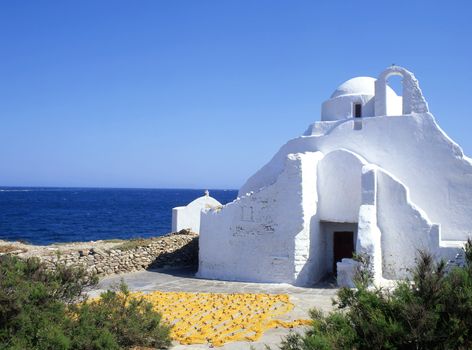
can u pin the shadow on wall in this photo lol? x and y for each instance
(185, 256)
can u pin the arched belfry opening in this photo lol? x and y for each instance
(394, 103)
(411, 101)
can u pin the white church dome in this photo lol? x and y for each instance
(357, 93)
(356, 86)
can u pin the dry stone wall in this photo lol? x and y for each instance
(173, 250)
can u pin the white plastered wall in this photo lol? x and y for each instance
(405, 228)
(262, 237)
(392, 229)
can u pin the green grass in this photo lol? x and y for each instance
(134, 243)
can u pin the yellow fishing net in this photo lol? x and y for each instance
(219, 318)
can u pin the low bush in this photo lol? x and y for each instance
(432, 310)
(44, 309)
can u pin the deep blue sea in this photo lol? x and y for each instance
(49, 215)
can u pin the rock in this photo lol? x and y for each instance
(177, 249)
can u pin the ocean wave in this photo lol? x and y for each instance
(15, 190)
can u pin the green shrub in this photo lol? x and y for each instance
(42, 309)
(433, 310)
(130, 321)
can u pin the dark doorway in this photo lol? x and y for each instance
(343, 246)
(357, 110)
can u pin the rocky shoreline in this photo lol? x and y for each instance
(176, 249)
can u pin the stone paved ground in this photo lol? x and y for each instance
(180, 280)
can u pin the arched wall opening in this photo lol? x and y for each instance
(412, 99)
(339, 188)
(394, 104)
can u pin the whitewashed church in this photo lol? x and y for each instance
(376, 175)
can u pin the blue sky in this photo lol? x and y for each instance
(201, 94)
